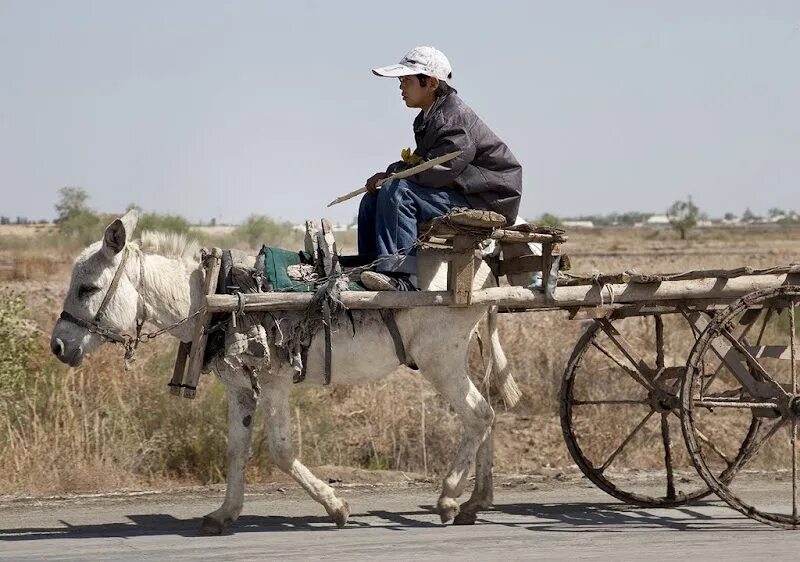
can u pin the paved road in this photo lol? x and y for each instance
(548, 521)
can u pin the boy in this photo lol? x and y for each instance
(484, 176)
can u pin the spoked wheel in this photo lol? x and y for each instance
(620, 409)
(742, 373)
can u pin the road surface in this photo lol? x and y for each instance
(551, 520)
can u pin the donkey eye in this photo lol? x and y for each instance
(87, 290)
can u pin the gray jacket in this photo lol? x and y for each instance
(486, 171)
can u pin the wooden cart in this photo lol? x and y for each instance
(711, 353)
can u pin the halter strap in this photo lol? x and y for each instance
(113, 287)
(94, 326)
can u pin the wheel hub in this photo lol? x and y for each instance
(662, 401)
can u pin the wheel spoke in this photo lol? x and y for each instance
(755, 448)
(767, 317)
(626, 349)
(633, 374)
(752, 361)
(699, 323)
(717, 450)
(627, 440)
(665, 437)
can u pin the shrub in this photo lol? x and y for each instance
(258, 230)
(163, 223)
(17, 339)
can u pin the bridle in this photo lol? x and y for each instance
(94, 327)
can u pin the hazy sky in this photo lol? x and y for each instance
(224, 109)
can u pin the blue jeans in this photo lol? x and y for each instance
(388, 219)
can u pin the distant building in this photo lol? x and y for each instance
(657, 220)
(577, 224)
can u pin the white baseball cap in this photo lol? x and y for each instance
(419, 60)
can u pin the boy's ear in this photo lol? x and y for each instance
(433, 82)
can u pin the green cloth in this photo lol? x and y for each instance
(275, 262)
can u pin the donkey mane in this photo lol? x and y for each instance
(169, 244)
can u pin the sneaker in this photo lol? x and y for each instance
(375, 281)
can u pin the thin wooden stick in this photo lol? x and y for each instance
(427, 165)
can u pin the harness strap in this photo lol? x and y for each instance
(326, 321)
(92, 327)
(397, 339)
(113, 287)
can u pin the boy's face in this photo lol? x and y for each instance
(416, 95)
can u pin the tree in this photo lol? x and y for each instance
(548, 219)
(71, 202)
(75, 219)
(683, 216)
(750, 216)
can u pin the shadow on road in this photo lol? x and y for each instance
(561, 517)
(615, 517)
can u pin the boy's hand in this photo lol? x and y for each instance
(371, 183)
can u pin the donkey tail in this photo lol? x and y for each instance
(498, 376)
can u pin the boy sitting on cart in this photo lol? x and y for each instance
(486, 175)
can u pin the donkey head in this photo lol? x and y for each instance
(101, 302)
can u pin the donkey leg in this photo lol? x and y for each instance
(279, 436)
(453, 383)
(483, 492)
(241, 407)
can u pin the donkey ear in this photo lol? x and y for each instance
(119, 232)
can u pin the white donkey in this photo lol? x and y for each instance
(116, 283)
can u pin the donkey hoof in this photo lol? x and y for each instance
(447, 508)
(212, 527)
(341, 515)
(465, 518)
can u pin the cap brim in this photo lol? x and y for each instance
(394, 71)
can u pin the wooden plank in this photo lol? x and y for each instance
(512, 236)
(706, 290)
(462, 270)
(474, 218)
(199, 335)
(180, 367)
(445, 230)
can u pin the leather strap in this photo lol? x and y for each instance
(326, 321)
(394, 331)
(113, 287)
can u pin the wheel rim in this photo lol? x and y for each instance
(744, 364)
(630, 386)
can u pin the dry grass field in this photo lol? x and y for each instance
(100, 427)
